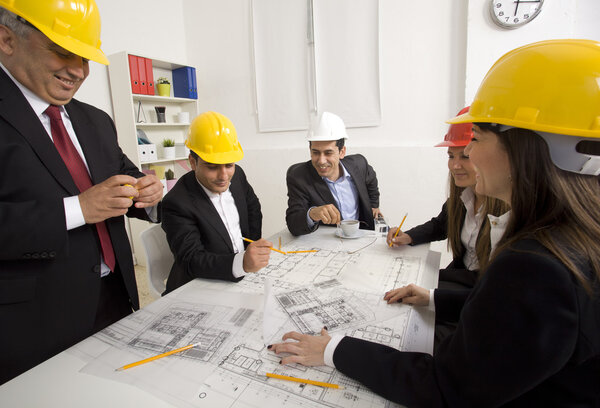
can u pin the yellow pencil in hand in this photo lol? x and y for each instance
(398, 230)
(271, 248)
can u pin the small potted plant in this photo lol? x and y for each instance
(168, 148)
(171, 180)
(163, 86)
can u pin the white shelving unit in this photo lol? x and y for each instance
(128, 119)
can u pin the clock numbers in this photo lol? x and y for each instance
(512, 14)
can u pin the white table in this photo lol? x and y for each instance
(353, 273)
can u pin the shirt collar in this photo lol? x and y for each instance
(37, 104)
(345, 175)
(209, 193)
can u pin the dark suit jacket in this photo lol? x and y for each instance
(197, 236)
(528, 336)
(50, 277)
(307, 189)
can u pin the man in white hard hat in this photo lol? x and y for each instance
(331, 186)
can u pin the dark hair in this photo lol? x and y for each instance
(456, 214)
(339, 143)
(560, 209)
(194, 155)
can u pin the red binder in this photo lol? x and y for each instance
(149, 77)
(134, 74)
(142, 75)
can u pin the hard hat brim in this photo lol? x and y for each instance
(448, 143)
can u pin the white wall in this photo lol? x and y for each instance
(432, 61)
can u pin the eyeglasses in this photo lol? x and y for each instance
(27, 23)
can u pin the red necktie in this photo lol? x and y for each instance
(79, 173)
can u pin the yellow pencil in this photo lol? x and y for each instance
(398, 230)
(147, 360)
(301, 380)
(301, 252)
(271, 248)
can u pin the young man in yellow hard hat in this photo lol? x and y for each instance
(331, 186)
(212, 208)
(66, 268)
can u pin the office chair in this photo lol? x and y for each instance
(159, 258)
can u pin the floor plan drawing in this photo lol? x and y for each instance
(340, 286)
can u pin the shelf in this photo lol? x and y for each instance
(159, 125)
(165, 160)
(165, 99)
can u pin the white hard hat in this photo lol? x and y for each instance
(326, 126)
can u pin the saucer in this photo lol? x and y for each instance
(340, 233)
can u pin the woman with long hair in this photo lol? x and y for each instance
(529, 333)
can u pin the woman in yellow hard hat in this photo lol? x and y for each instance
(529, 334)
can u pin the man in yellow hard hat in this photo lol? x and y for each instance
(66, 268)
(212, 208)
(331, 186)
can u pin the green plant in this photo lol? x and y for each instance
(168, 143)
(163, 80)
(169, 175)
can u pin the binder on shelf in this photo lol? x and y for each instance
(142, 75)
(184, 83)
(134, 74)
(149, 76)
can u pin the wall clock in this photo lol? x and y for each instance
(514, 13)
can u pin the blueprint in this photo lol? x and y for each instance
(340, 286)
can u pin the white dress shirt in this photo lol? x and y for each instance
(225, 206)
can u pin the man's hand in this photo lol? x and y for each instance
(411, 294)
(150, 191)
(327, 214)
(377, 212)
(257, 255)
(111, 198)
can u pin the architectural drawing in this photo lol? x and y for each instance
(340, 286)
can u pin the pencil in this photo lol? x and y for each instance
(271, 248)
(301, 380)
(147, 360)
(398, 230)
(301, 252)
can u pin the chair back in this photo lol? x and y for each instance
(159, 258)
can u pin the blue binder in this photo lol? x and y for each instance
(184, 83)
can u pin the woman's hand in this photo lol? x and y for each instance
(411, 294)
(401, 238)
(306, 350)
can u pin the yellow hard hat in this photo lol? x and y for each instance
(549, 86)
(72, 24)
(212, 136)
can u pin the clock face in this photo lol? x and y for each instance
(514, 13)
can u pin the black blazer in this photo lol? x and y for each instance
(196, 234)
(528, 336)
(307, 189)
(50, 277)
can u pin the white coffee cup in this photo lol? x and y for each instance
(183, 117)
(350, 227)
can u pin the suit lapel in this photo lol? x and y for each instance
(15, 110)
(208, 212)
(239, 197)
(359, 182)
(89, 140)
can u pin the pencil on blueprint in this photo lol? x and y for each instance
(301, 380)
(301, 252)
(398, 230)
(147, 360)
(271, 248)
